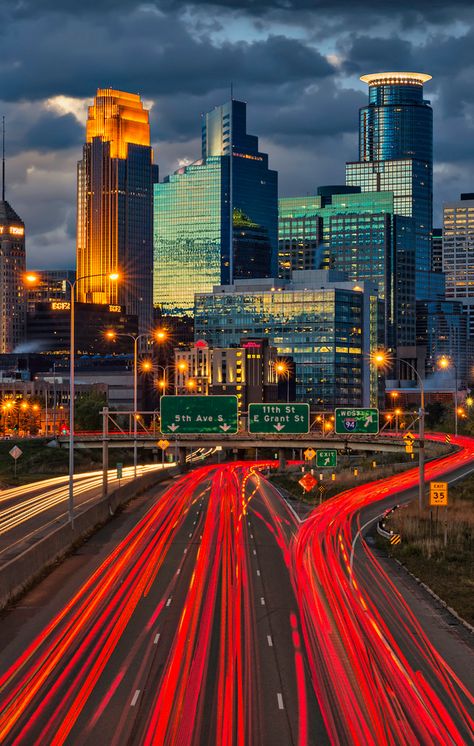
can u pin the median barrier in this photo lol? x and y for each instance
(22, 571)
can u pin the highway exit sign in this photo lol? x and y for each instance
(198, 414)
(278, 418)
(356, 421)
(438, 493)
(326, 458)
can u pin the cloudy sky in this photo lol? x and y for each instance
(296, 62)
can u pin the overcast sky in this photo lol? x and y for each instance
(296, 63)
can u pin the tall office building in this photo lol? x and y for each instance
(12, 269)
(458, 254)
(327, 324)
(115, 205)
(437, 250)
(396, 154)
(360, 234)
(52, 285)
(228, 198)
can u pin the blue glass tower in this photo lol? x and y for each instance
(396, 154)
(216, 219)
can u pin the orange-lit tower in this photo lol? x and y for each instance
(115, 205)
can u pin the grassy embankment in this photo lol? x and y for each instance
(40, 461)
(447, 570)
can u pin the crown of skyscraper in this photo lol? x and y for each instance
(119, 118)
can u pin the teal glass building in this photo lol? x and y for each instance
(217, 219)
(327, 324)
(360, 234)
(396, 154)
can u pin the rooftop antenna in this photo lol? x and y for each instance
(3, 159)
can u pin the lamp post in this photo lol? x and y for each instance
(380, 360)
(444, 363)
(32, 279)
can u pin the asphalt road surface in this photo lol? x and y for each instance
(215, 617)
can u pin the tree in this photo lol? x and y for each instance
(435, 413)
(88, 411)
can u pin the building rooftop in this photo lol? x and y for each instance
(8, 214)
(396, 78)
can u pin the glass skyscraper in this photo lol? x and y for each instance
(359, 234)
(396, 154)
(325, 323)
(115, 205)
(203, 209)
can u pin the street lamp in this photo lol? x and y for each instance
(32, 279)
(283, 369)
(381, 360)
(445, 363)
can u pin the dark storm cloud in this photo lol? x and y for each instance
(296, 63)
(51, 131)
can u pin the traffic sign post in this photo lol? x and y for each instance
(182, 415)
(309, 454)
(119, 470)
(357, 421)
(308, 482)
(15, 453)
(278, 418)
(163, 444)
(326, 458)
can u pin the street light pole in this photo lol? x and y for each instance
(33, 279)
(455, 397)
(421, 439)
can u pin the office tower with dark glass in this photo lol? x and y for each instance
(228, 198)
(360, 234)
(396, 154)
(115, 205)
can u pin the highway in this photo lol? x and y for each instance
(216, 617)
(27, 510)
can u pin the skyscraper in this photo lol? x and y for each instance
(215, 203)
(12, 269)
(458, 254)
(396, 154)
(359, 234)
(115, 205)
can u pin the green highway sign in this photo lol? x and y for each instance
(198, 414)
(358, 421)
(326, 458)
(278, 418)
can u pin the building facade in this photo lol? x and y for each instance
(52, 285)
(115, 206)
(325, 323)
(396, 154)
(49, 327)
(246, 371)
(12, 270)
(360, 234)
(458, 254)
(217, 218)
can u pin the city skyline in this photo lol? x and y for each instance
(298, 69)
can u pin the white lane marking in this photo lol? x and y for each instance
(262, 600)
(185, 551)
(270, 641)
(251, 536)
(281, 706)
(255, 551)
(168, 603)
(157, 637)
(258, 573)
(135, 698)
(178, 571)
(190, 535)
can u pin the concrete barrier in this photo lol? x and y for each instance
(22, 571)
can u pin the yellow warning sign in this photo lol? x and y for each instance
(309, 454)
(438, 493)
